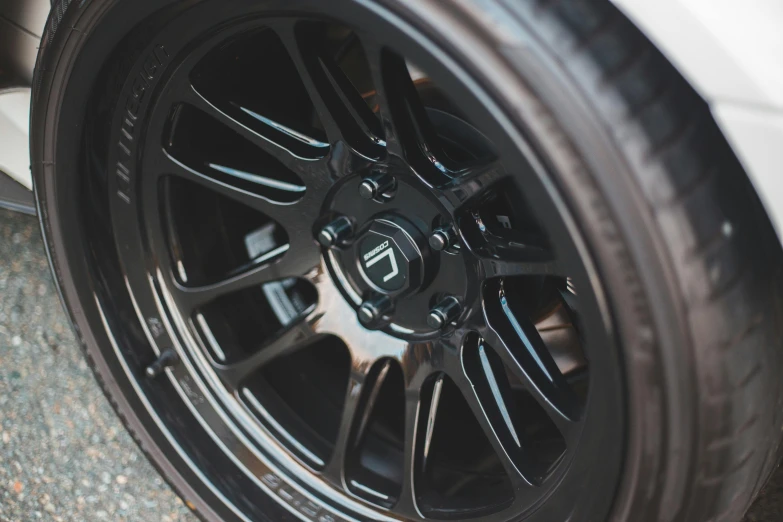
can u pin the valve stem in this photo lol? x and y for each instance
(167, 358)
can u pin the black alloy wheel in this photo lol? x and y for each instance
(289, 213)
(327, 273)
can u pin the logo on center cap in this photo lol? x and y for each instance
(390, 255)
(382, 262)
(378, 254)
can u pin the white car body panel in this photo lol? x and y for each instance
(732, 54)
(14, 135)
(21, 26)
(730, 51)
(757, 137)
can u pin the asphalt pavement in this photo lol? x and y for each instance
(64, 456)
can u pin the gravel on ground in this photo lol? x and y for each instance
(64, 456)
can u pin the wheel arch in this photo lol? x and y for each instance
(730, 54)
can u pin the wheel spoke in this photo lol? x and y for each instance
(376, 58)
(485, 389)
(342, 110)
(296, 259)
(293, 339)
(296, 215)
(432, 416)
(571, 302)
(408, 130)
(293, 149)
(471, 183)
(520, 346)
(406, 504)
(360, 400)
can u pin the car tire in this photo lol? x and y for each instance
(688, 266)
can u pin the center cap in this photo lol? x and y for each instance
(390, 256)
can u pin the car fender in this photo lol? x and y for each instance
(732, 54)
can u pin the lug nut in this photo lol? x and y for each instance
(376, 185)
(373, 309)
(335, 232)
(444, 312)
(442, 238)
(167, 358)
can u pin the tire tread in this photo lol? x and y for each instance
(696, 188)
